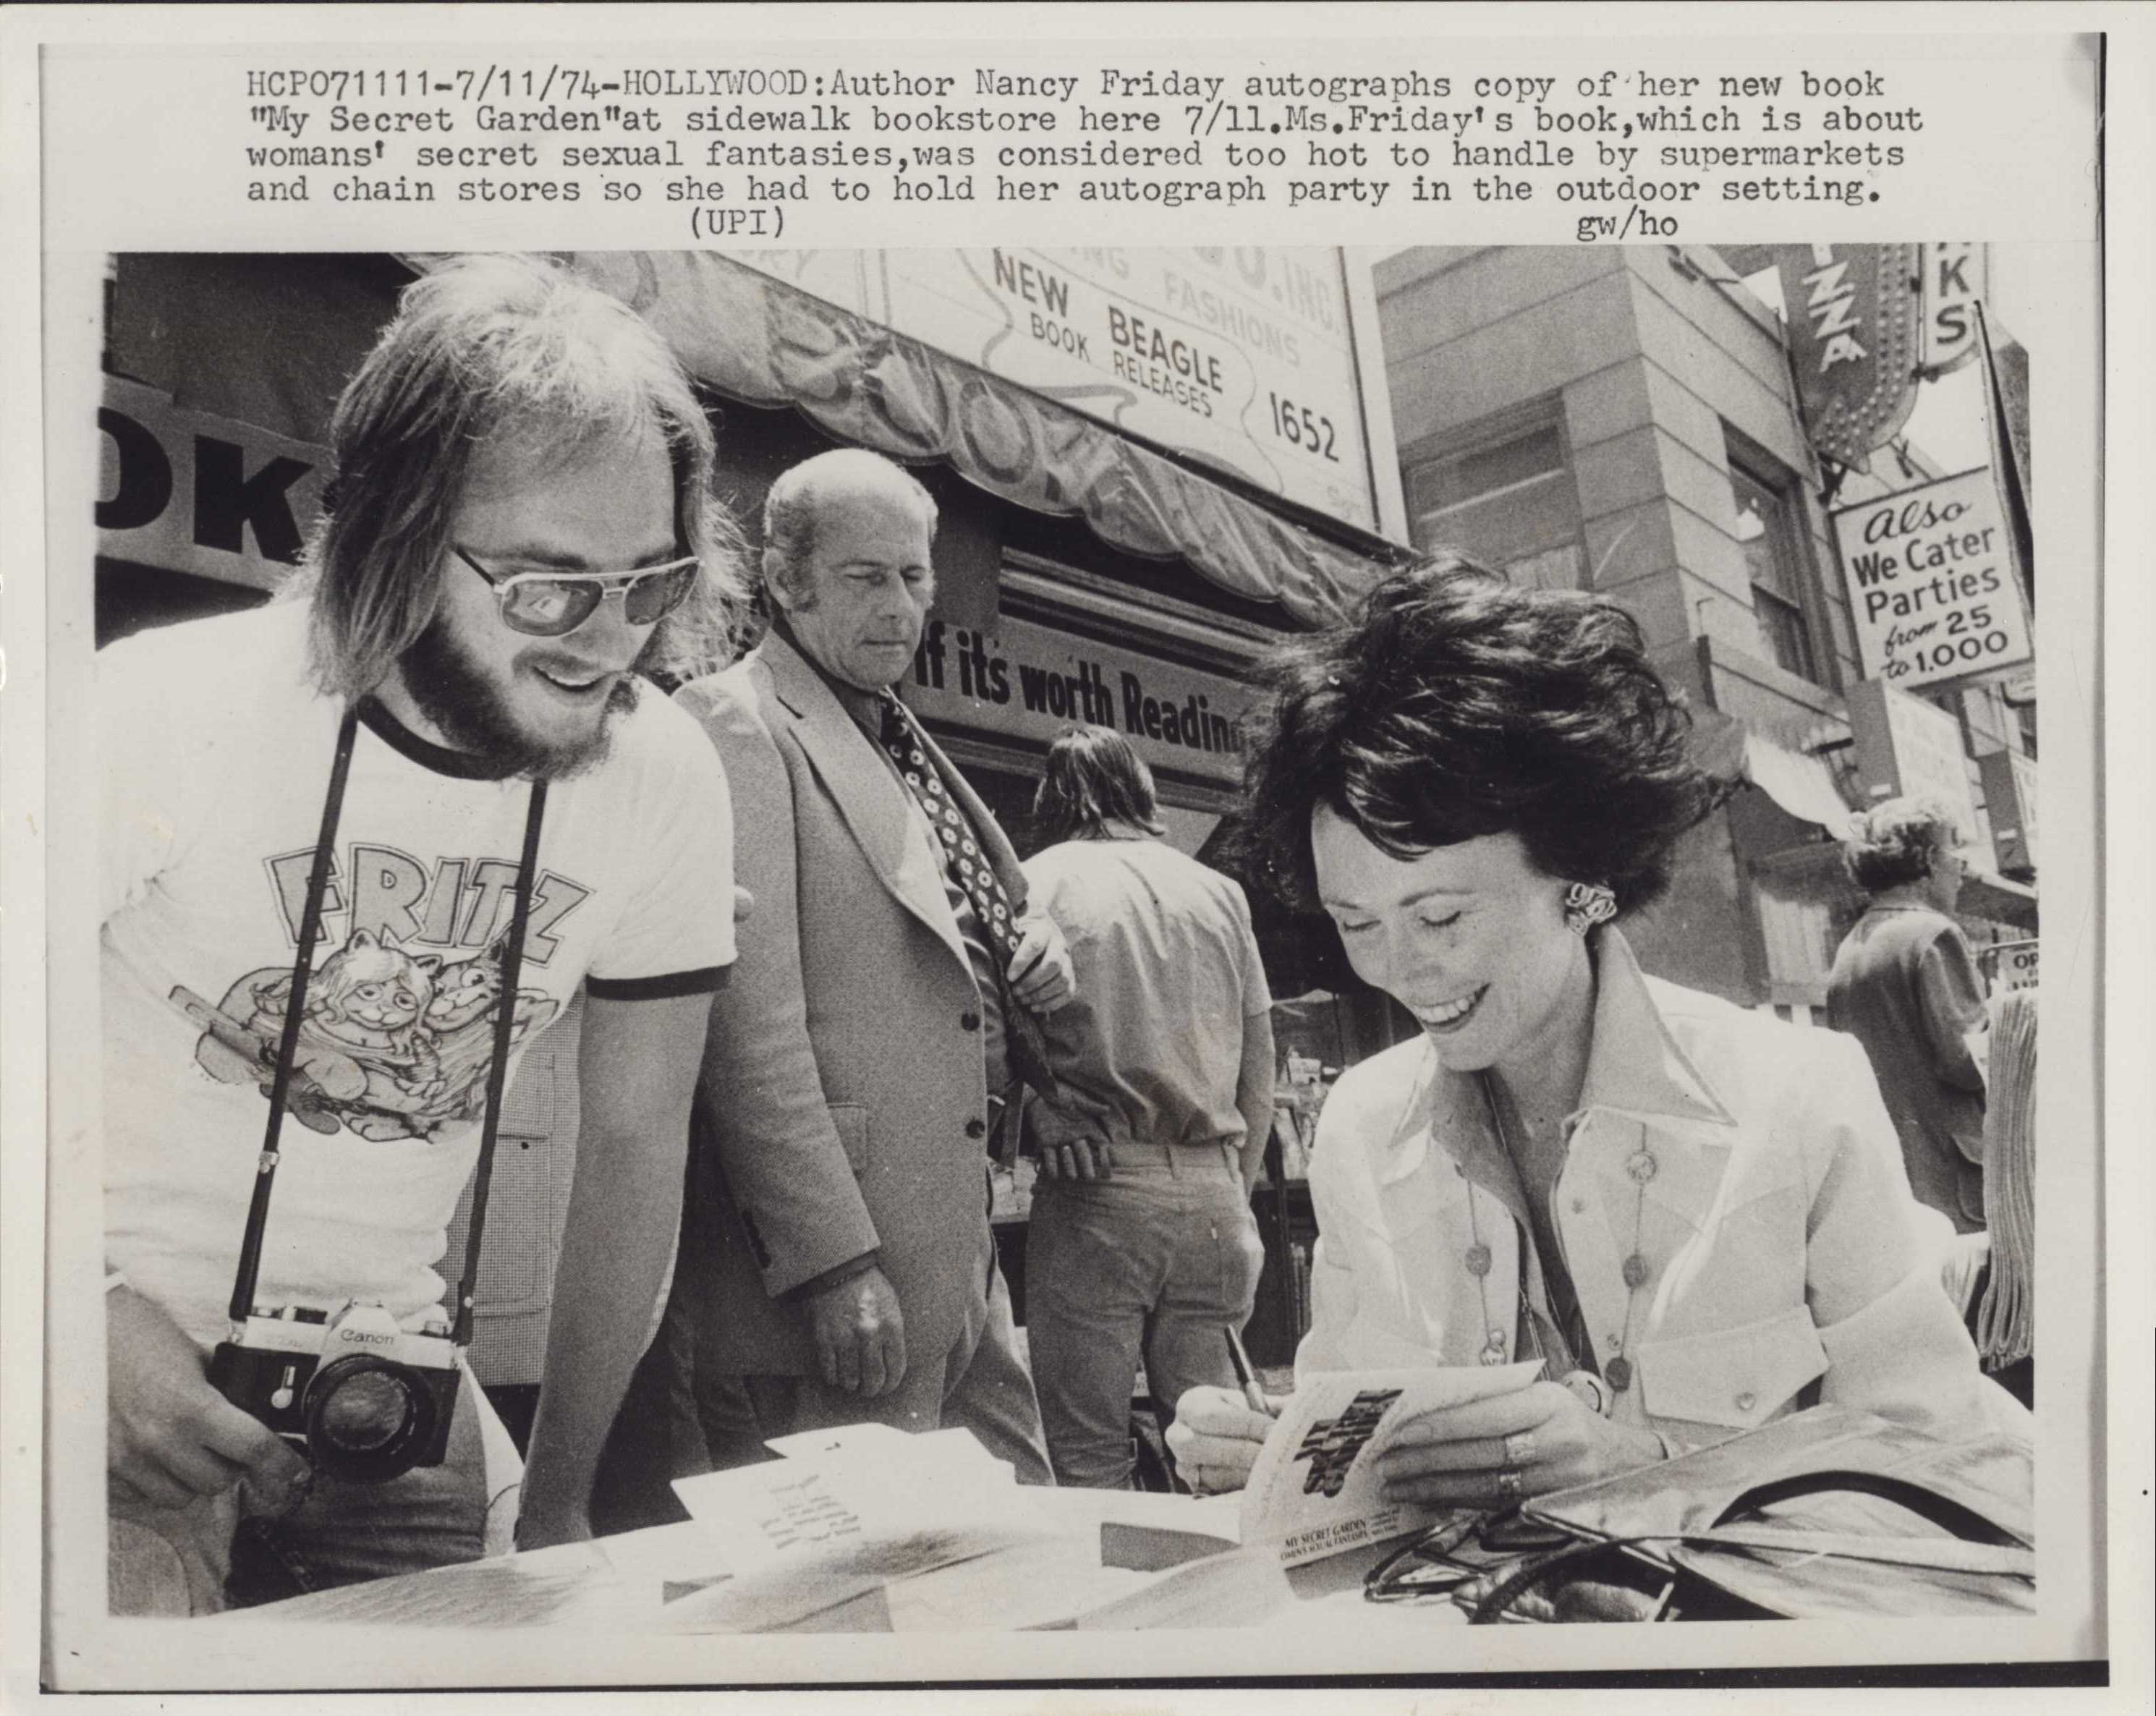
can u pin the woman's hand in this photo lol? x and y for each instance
(1544, 1434)
(1215, 1439)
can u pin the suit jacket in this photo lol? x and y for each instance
(844, 1101)
(1904, 985)
(1784, 1249)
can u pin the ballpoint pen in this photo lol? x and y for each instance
(1244, 1376)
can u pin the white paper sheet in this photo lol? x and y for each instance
(1315, 1490)
(504, 1593)
(853, 1511)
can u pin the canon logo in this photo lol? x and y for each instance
(365, 1338)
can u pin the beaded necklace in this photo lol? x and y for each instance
(1640, 1167)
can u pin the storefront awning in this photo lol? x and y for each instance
(1801, 783)
(762, 342)
(1998, 898)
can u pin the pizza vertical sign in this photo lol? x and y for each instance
(1853, 338)
(1929, 575)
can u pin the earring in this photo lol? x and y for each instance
(1586, 904)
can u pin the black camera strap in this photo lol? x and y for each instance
(296, 1012)
(246, 1279)
(497, 1076)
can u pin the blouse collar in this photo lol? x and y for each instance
(1635, 1066)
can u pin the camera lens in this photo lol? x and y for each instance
(368, 1419)
(368, 1410)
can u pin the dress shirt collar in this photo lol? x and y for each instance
(865, 707)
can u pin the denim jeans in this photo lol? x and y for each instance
(215, 1552)
(1153, 1263)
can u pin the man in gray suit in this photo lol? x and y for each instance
(836, 1261)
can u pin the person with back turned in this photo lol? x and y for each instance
(1142, 1243)
(1905, 984)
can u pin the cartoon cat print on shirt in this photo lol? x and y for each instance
(372, 994)
(459, 1023)
(394, 1044)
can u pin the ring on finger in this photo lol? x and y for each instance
(1508, 1486)
(1519, 1448)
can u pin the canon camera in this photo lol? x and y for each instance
(365, 1399)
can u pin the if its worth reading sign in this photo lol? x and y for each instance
(1030, 681)
(1930, 583)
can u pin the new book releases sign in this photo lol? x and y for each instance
(1241, 358)
(1931, 583)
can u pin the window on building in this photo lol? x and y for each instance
(2025, 717)
(1505, 495)
(1767, 531)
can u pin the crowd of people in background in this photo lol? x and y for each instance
(822, 991)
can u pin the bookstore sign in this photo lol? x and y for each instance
(190, 492)
(1242, 359)
(1027, 681)
(1932, 590)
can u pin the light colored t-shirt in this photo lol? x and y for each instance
(1166, 969)
(216, 755)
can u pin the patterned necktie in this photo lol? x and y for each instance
(1025, 1047)
(963, 856)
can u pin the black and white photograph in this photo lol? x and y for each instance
(1124, 912)
(814, 965)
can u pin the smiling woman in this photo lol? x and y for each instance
(1693, 1215)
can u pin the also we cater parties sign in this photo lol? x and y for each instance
(1931, 583)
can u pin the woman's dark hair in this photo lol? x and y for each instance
(1898, 841)
(1094, 777)
(1455, 704)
